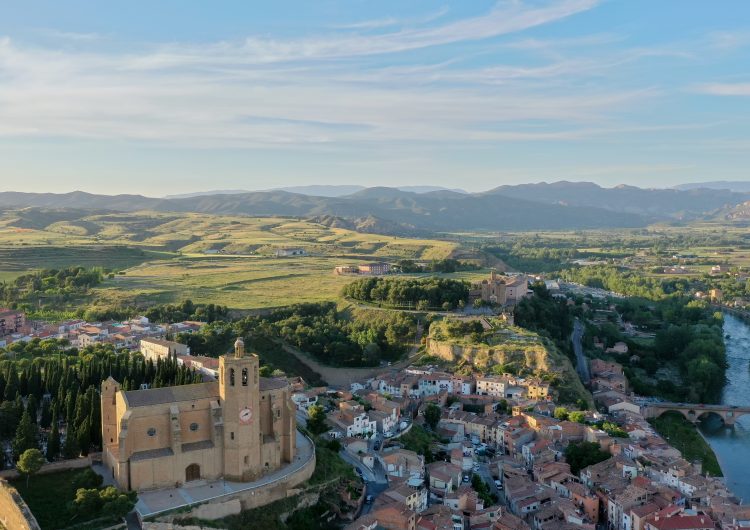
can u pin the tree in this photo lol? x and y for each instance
(86, 502)
(577, 416)
(53, 442)
(27, 435)
(561, 413)
(70, 447)
(432, 415)
(478, 303)
(316, 419)
(582, 454)
(115, 502)
(30, 462)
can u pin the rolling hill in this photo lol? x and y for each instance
(542, 206)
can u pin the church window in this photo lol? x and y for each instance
(244, 377)
(231, 377)
(151, 431)
(193, 426)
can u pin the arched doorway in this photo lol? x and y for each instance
(192, 472)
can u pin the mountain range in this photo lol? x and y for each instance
(316, 190)
(541, 206)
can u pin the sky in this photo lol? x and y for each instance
(181, 96)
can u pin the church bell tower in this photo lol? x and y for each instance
(239, 392)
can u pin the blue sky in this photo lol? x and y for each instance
(177, 96)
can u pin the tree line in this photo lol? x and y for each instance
(49, 398)
(420, 293)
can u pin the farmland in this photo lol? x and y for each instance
(228, 260)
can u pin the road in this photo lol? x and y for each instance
(374, 489)
(582, 365)
(375, 475)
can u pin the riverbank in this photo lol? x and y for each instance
(686, 438)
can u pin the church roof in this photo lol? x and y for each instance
(171, 394)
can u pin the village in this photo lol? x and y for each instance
(510, 433)
(442, 450)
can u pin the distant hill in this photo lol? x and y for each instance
(650, 203)
(203, 193)
(323, 190)
(542, 206)
(742, 186)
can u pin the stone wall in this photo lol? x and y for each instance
(255, 497)
(54, 467)
(14, 514)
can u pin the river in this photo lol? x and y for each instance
(732, 446)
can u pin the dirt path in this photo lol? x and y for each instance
(343, 377)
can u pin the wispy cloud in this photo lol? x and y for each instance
(393, 21)
(70, 35)
(728, 40)
(723, 89)
(281, 93)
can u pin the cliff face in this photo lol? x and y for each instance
(532, 359)
(525, 355)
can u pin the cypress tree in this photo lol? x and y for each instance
(11, 386)
(53, 442)
(32, 405)
(70, 448)
(44, 421)
(27, 435)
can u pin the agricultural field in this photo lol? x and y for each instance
(227, 260)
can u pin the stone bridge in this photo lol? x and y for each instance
(695, 412)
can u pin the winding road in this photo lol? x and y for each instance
(343, 377)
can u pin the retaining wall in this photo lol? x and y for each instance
(14, 514)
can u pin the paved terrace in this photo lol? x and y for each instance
(154, 502)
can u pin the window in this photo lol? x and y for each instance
(244, 377)
(247, 460)
(193, 426)
(231, 435)
(151, 431)
(231, 377)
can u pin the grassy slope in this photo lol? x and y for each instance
(685, 437)
(47, 497)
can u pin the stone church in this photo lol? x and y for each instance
(239, 428)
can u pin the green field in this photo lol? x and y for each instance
(227, 260)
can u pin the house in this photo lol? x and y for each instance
(153, 349)
(492, 385)
(682, 520)
(288, 252)
(375, 268)
(11, 321)
(443, 477)
(346, 269)
(410, 493)
(402, 463)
